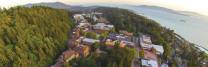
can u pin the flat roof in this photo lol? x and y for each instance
(158, 48)
(90, 40)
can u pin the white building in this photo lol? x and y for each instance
(89, 41)
(159, 49)
(103, 26)
(83, 25)
(127, 43)
(145, 42)
(79, 17)
(95, 18)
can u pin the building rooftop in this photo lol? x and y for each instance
(158, 48)
(102, 26)
(103, 20)
(126, 33)
(145, 42)
(149, 63)
(69, 53)
(78, 16)
(84, 24)
(89, 40)
(83, 50)
(146, 39)
(119, 37)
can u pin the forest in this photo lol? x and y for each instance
(32, 37)
(115, 57)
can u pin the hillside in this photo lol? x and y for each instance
(36, 36)
(177, 50)
(32, 37)
(181, 24)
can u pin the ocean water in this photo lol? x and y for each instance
(192, 28)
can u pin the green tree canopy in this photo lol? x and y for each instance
(32, 36)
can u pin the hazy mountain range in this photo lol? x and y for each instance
(60, 5)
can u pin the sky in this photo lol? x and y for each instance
(200, 6)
